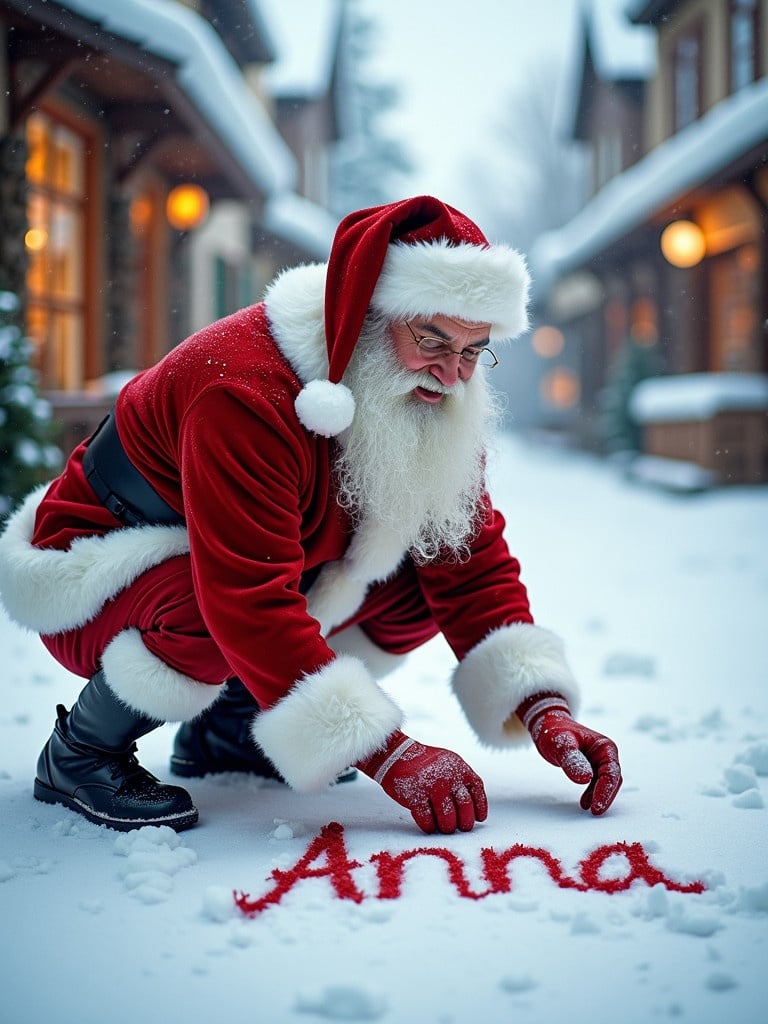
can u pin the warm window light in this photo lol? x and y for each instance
(186, 207)
(682, 243)
(140, 214)
(548, 342)
(36, 239)
(643, 326)
(560, 388)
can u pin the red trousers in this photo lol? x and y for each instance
(162, 605)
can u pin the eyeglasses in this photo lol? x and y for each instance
(435, 348)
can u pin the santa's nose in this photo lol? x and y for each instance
(450, 369)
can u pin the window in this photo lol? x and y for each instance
(608, 157)
(687, 80)
(744, 43)
(232, 289)
(734, 300)
(149, 239)
(55, 242)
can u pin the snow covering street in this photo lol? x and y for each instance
(542, 913)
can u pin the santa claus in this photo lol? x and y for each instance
(278, 511)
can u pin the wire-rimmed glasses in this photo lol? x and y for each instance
(435, 348)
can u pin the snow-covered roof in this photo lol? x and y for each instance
(301, 222)
(209, 76)
(648, 8)
(684, 161)
(306, 35)
(697, 396)
(620, 50)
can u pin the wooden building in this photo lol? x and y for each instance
(669, 256)
(124, 129)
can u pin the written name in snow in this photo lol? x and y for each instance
(390, 867)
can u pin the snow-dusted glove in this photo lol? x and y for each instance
(584, 755)
(436, 785)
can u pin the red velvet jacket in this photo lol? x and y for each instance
(212, 427)
(214, 430)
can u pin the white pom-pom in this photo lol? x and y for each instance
(325, 408)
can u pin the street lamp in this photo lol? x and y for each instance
(683, 243)
(186, 206)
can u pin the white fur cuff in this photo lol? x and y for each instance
(511, 664)
(148, 685)
(328, 721)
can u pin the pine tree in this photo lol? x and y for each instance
(367, 161)
(28, 455)
(619, 430)
(537, 178)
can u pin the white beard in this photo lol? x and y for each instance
(415, 468)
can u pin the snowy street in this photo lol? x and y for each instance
(657, 911)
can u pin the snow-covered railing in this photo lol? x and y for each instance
(701, 429)
(697, 396)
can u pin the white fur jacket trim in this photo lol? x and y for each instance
(294, 304)
(512, 663)
(52, 591)
(327, 721)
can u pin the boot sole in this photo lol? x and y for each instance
(178, 822)
(187, 769)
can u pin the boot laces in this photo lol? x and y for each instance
(124, 765)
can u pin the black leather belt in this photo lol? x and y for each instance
(119, 485)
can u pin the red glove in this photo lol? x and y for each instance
(584, 755)
(439, 788)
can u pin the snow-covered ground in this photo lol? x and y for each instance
(663, 603)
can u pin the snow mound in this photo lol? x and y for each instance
(153, 855)
(343, 1002)
(218, 904)
(756, 755)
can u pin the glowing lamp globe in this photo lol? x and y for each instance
(186, 207)
(683, 243)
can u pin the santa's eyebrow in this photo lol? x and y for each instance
(430, 329)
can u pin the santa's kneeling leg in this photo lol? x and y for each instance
(220, 740)
(139, 653)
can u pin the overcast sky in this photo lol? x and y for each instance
(455, 62)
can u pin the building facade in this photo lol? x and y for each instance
(665, 269)
(139, 162)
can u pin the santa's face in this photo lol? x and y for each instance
(413, 458)
(444, 347)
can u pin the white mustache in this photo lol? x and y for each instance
(429, 383)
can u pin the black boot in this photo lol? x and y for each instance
(89, 765)
(220, 740)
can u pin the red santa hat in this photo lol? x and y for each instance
(414, 258)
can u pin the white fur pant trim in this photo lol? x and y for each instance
(147, 684)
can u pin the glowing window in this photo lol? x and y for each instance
(55, 243)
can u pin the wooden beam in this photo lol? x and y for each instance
(49, 79)
(139, 156)
(147, 118)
